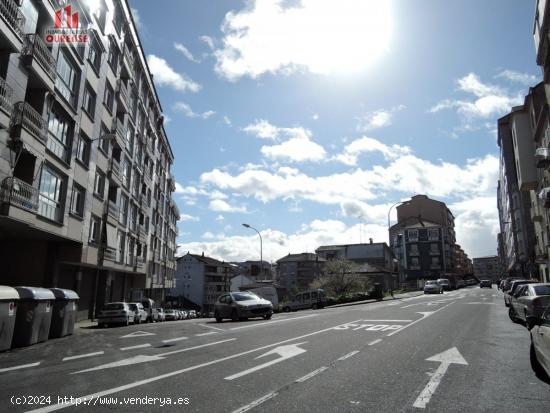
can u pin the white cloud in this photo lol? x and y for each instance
(226, 120)
(489, 101)
(377, 119)
(166, 76)
(277, 244)
(220, 205)
(184, 51)
(523, 78)
(187, 111)
(209, 41)
(136, 17)
(315, 116)
(297, 149)
(220, 218)
(320, 36)
(365, 145)
(262, 129)
(187, 217)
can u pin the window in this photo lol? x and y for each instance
(415, 262)
(433, 234)
(94, 53)
(112, 58)
(77, 200)
(413, 250)
(104, 143)
(99, 184)
(88, 102)
(60, 130)
(130, 139)
(126, 169)
(108, 97)
(435, 261)
(95, 229)
(83, 149)
(52, 190)
(123, 209)
(67, 79)
(121, 240)
(434, 248)
(101, 15)
(413, 234)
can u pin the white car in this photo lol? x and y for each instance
(433, 287)
(115, 313)
(140, 313)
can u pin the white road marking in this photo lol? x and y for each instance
(270, 322)
(97, 353)
(170, 340)
(134, 347)
(347, 356)
(479, 303)
(310, 375)
(206, 334)
(425, 315)
(446, 358)
(255, 403)
(372, 343)
(128, 386)
(22, 366)
(138, 334)
(207, 326)
(285, 352)
(397, 321)
(196, 347)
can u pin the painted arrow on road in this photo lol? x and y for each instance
(125, 362)
(285, 352)
(446, 358)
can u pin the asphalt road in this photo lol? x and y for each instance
(456, 352)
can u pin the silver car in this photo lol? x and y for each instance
(529, 299)
(115, 313)
(433, 287)
(242, 305)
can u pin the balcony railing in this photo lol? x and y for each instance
(35, 47)
(139, 262)
(50, 209)
(123, 91)
(12, 14)
(110, 254)
(16, 192)
(113, 210)
(115, 167)
(26, 116)
(542, 156)
(120, 129)
(6, 97)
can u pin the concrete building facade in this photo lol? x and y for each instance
(85, 182)
(297, 271)
(487, 268)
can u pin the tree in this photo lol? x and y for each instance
(340, 277)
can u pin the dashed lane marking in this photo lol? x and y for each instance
(372, 343)
(22, 366)
(310, 375)
(135, 347)
(255, 403)
(347, 356)
(170, 340)
(81, 356)
(205, 334)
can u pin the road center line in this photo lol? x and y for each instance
(134, 347)
(268, 323)
(420, 319)
(255, 403)
(170, 340)
(372, 343)
(22, 366)
(347, 356)
(97, 353)
(124, 387)
(310, 375)
(206, 334)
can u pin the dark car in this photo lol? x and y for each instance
(485, 283)
(242, 305)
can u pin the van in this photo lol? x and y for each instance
(306, 299)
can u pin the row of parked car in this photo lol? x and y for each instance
(137, 313)
(445, 284)
(528, 303)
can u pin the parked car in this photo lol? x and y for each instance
(529, 299)
(149, 306)
(433, 287)
(539, 330)
(445, 283)
(184, 314)
(160, 314)
(485, 283)
(192, 314)
(242, 305)
(306, 299)
(512, 289)
(115, 313)
(139, 312)
(170, 315)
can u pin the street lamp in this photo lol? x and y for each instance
(261, 247)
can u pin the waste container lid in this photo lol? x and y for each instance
(35, 293)
(8, 293)
(63, 294)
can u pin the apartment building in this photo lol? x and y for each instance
(423, 238)
(201, 279)
(487, 268)
(297, 271)
(85, 182)
(463, 264)
(378, 254)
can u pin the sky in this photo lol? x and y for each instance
(308, 119)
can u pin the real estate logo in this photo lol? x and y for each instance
(66, 29)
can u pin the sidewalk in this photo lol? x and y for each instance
(388, 298)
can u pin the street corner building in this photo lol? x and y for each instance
(85, 183)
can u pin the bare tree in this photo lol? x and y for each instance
(340, 277)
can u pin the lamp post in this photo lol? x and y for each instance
(101, 248)
(261, 247)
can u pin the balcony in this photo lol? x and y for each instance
(119, 129)
(122, 97)
(113, 210)
(26, 116)
(40, 62)
(542, 157)
(109, 254)
(6, 103)
(127, 71)
(142, 232)
(544, 197)
(14, 191)
(12, 22)
(139, 263)
(115, 169)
